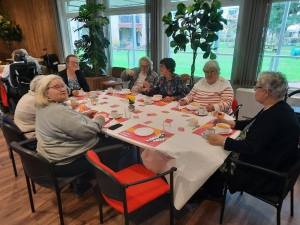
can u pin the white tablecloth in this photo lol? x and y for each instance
(195, 159)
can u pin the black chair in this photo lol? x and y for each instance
(41, 171)
(116, 74)
(295, 108)
(51, 62)
(285, 180)
(12, 133)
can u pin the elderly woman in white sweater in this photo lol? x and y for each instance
(62, 132)
(213, 91)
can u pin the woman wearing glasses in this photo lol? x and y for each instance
(213, 91)
(73, 77)
(62, 132)
(137, 76)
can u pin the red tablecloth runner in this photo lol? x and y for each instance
(130, 134)
(202, 128)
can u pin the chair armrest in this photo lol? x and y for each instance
(30, 131)
(258, 167)
(28, 141)
(150, 178)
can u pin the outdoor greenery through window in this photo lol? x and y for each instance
(224, 48)
(282, 47)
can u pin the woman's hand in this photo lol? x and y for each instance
(101, 116)
(231, 123)
(130, 72)
(75, 92)
(210, 108)
(182, 102)
(168, 99)
(91, 113)
(215, 139)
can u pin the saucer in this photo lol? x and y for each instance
(202, 114)
(125, 92)
(191, 107)
(156, 100)
(114, 118)
(150, 103)
(227, 132)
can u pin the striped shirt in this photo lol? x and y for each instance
(221, 99)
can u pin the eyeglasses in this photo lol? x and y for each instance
(58, 87)
(210, 72)
(144, 67)
(255, 88)
(74, 63)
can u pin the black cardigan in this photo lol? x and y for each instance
(271, 142)
(80, 77)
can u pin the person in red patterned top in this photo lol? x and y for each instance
(213, 91)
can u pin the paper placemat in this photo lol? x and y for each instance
(202, 128)
(108, 123)
(81, 108)
(184, 110)
(129, 133)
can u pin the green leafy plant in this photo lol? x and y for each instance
(9, 31)
(196, 24)
(93, 60)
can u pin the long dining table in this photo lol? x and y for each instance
(183, 147)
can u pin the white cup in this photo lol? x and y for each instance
(93, 94)
(201, 110)
(223, 127)
(210, 130)
(94, 101)
(114, 114)
(110, 90)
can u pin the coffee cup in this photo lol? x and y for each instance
(94, 101)
(114, 114)
(80, 92)
(125, 91)
(222, 127)
(202, 110)
(110, 90)
(193, 122)
(93, 94)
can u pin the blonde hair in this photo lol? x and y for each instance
(41, 99)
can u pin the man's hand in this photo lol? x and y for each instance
(130, 72)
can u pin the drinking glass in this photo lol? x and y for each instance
(166, 128)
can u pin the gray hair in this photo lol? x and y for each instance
(24, 51)
(35, 82)
(41, 100)
(148, 60)
(276, 82)
(212, 65)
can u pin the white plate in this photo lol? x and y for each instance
(155, 99)
(192, 107)
(202, 114)
(149, 103)
(219, 132)
(125, 92)
(114, 118)
(143, 131)
(83, 93)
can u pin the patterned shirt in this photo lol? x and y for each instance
(173, 87)
(73, 83)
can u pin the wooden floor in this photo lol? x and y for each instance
(15, 208)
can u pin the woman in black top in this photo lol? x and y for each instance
(73, 77)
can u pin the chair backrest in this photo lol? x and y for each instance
(22, 73)
(107, 179)
(293, 174)
(287, 95)
(10, 130)
(116, 71)
(36, 167)
(51, 61)
(235, 108)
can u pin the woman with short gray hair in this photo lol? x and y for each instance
(25, 111)
(269, 140)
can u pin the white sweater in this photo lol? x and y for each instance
(62, 132)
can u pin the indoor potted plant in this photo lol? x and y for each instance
(91, 47)
(9, 32)
(196, 24)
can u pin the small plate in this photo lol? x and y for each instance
(113, 118)
(228, 132)
(156, 100)
(149, 103)
(143, 131)
(125, 93)
(192, 107)
(202, 114)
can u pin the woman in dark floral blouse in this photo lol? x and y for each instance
(170, 85)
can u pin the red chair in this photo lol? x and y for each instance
(235, 108)
(130, 188)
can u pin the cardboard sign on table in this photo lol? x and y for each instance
(202, 129)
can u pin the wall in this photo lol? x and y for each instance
(36, 19)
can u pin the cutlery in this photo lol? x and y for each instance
(196, 127)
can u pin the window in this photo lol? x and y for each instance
(225, 48)
(125, 3)
(73, 6)
(128, 39)
(282, 47)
